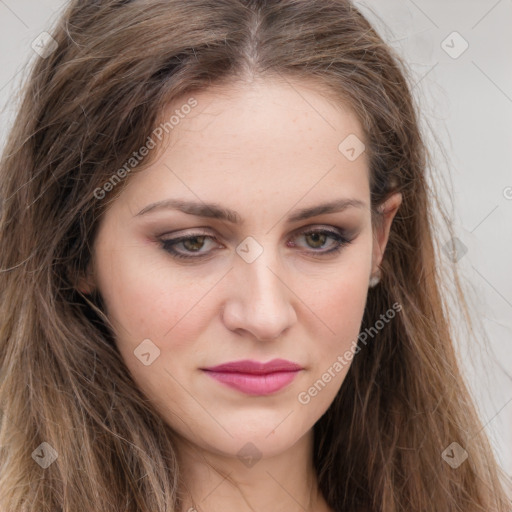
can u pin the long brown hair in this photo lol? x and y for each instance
(69, 402)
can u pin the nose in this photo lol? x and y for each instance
(260, 301)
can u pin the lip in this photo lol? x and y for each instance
(254, 377)
(255, 367)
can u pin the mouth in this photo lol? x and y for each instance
(253, 377)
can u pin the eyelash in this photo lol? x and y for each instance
(168, 244)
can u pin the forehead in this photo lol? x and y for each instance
(264, 115)
(268, 138)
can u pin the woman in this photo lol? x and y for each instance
(219, 283)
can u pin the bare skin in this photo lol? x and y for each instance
(264, 150)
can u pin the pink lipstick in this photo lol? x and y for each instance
(253, 377)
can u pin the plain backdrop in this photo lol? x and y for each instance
(459, 52)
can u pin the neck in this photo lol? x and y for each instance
(284, 482)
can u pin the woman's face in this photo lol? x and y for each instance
(262, 277)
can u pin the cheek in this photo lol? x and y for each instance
(340, 304)
(340, 298)
(343, 304)
(144, 300)
(341, 308)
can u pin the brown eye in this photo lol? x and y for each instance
(318, 239)
(192, 244)
(190, 247)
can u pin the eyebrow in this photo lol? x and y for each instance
(215, 211)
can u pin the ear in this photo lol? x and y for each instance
(85, 283)
(381, 231)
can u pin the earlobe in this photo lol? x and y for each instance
(84, 284)
(84, 288)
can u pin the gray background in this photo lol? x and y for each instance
(466, 100)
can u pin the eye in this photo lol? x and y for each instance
(190, 246)
(191, 243)
(317, 239)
